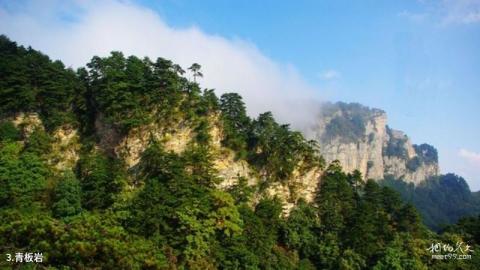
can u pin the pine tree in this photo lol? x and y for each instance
(67, 196)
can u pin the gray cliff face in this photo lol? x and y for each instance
(360, 139)
(301, 185)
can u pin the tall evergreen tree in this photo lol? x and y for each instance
(67, 196)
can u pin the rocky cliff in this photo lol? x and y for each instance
(64, 141)
(360, 139)
(176, 137)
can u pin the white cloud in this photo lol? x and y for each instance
(461, 11)
(77, 31)
(412, 16)
(445, 12)
(470, 156)
(329, 74)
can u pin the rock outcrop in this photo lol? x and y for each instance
(65, 144)
(27, 122)
(65, 148)
(360, 139)
(177, 138)
(302, 184)
(299, 186)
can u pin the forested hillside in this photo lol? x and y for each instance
(359, 137)
(69, 191)
(441, 200)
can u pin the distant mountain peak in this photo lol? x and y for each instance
(359, 137)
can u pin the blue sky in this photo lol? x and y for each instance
(417, 60)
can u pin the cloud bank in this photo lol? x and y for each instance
(329, 75)
(76, 31)
(462, 11)
(470, 156)
(446, 12)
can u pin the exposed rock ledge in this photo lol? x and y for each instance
(360, 139)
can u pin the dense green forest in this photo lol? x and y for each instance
(168, 212)
(441, 200)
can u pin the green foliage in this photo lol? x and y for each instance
(241, 191)
(117, 85)
(38, 143)
(23, 177)
(85, 242)
(371, 223)
(210, 101)
(203, 136)
(350, 260)
(31, 82)
(349, 122)
(178, 205)
(408, 219)
(195, 68)
(8, 132)
(395, 146)
(349, 129)
(427, 153)
(397, 257)
(440, 200)
(128, 90)
(469, 228)
(236, 123)
(301, 228)
(335, 199)
(413, 164)
(277, 151)
(67, 199)
(100, 179)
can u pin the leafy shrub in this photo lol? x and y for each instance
(349, 124)
(67, 196)
(395, 146)
(31, 82)
(101, 180)
(413, 164)
(427, 153)
(349, 129)
(8, 132)
(369, 164)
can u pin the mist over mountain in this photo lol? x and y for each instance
(360, 138)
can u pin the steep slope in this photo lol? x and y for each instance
(440, 200)
(179, 137)
(360, 139)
